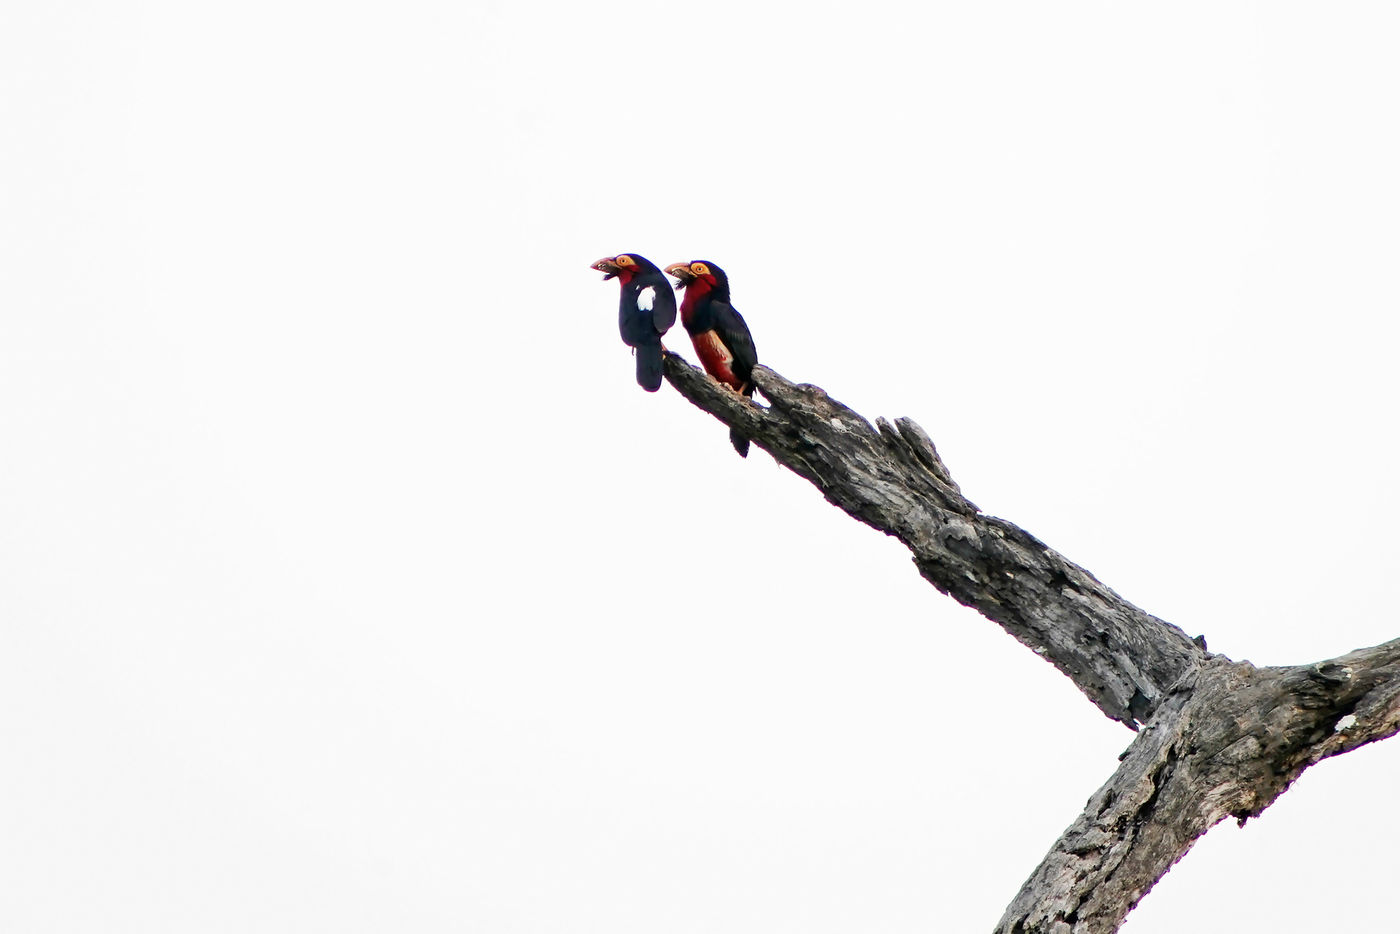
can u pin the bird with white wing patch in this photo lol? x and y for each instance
(646, 310)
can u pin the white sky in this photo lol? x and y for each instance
(349, 583)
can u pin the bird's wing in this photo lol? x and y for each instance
(735, 333)
(663, 308)
(643, 305)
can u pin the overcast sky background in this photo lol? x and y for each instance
(349, 583)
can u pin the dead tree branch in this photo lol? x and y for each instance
(1222, 738)
(1229, 739)
(890, 477)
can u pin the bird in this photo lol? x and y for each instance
(721, 338)
(646, 311)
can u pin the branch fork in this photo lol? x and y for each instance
(1219, 738)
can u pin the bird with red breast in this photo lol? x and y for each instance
(719, 333)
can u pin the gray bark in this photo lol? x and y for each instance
(889, 476)
(1227, 741)
(1222, 738)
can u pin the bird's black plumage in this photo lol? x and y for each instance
(646, 310)
(719, 333)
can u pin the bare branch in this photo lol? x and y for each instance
(889, 476)
(1222, 738)
(1226, 742)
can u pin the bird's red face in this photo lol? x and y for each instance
(695, 274)
(622, 266)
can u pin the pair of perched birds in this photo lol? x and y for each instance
(648, 309)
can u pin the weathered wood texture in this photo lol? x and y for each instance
(889, 476)
(1222, 738)
(1226, 742)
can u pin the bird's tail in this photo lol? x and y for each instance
(649, 366)
(741, 444)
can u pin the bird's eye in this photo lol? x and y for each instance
(700, 269)
(624, 260)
